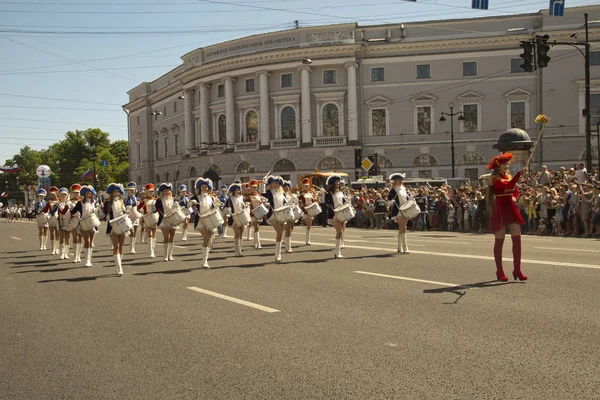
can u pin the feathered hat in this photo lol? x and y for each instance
(332, 179)
(397, 176)
(234, 187)
(203, 181)
(182, 188)
(115, 186)
(87, 189)
(165, 186)
(499, 160)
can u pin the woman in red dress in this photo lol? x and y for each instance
(502, 195)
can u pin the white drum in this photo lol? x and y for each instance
(73, 223)
(260, 211)
(297, 211)
(410, 209)
(175, 217)
(187, 211)
(344, 213)
(151, 220)
(241, 218)
(90, 222)
(313, 210)
(212, 219)
(53, 221)
(41, 219)
(284, 214)
(134, 214)
(121, 225)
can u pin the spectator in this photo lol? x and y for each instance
(581, 174)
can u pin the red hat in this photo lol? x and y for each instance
(499, 160)
(53, 189)
(149, 186)
(254, 182)
(76, 187)
(306, 181)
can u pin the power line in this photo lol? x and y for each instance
(61, 108)
(85, 70)
(60, 122)
(58, 99)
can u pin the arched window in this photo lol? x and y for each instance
(251, 126)
(157, 179)
(245, 168)
(193, 173)
(329, 164)
(288, 123)
(139, 181)
(384, 162)
(214, 167)
(471, 158)
(166, 177)
(176, 181)
(331, 120)
(222, 129)
(594, 154)
(175, 131)
(284, 165)
(425, 160)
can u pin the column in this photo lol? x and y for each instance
(264, 121)
(229, 111)
(190, 142)
(352, 103)
(305, 107)
(204, 115)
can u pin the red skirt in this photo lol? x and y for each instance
(506, 213)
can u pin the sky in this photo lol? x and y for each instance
(68, 64)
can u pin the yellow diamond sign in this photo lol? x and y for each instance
(367, 164)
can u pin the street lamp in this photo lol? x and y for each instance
(93, 158)
(452, 114)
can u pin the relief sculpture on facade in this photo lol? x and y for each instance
(329, 36)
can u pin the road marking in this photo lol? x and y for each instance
(573, 250)
(234, 300)
(16, 238)
(404, 278)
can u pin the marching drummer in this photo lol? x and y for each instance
(75, 234)
(142, 225)
(115, 207)
(306, 198)
(335, 198)
(64, 216)
(132, 201)
(51, 209)
(290, 198)
(396, 198)
(86, 207)
(42, 223)
(276, 198)
(256, 201)
(204, 203)
(183, 202)
(164, 204)
(226, 212)
(237, 205)
(146, 207)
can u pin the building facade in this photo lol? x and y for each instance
(294, 101)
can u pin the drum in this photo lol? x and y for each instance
(344, 213)
(410, 209)
(151, 220)
(284, 214)
(200, 226)
(212, 219)
(53, 221)
(41, 219)
(90, 222)
(175, 217)
(260, 211)
(297, 211)
(313, 210)
(187, 211)
(121, 225)
(134, 214)
(73, 224)
(241, 218)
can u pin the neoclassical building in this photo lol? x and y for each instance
(294, 101)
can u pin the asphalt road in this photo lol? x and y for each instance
(376, 325)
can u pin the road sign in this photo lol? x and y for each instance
(367, 164)
(104, 163)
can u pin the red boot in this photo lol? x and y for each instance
(517, 274)
(500, 275)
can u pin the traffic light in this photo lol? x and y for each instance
(527, 56)
(357, 158)
(542, 48)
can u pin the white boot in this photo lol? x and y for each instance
(205, 252)
(225, 231)
(257, 239)
(288, 244)
(241, 240)
(94, 240)
(184, 235)
(171, 247)
(342, 242)
(63, 252)
(166, 248)
(45, 242)
(67, 249)
(144, 236)
(308, 237)
(88, 257)
(249, 234)
(152, 242)
(404, 244)
(338, 249)
(41, 242)
(118, 266)
(132, 250)
(278, 253)
(236, 246)
(52, 243)
(399, 243)
(79, 249)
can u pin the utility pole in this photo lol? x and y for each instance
(588, 113)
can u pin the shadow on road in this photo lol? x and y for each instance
(49, 270)
(457, 289)
(80, 279)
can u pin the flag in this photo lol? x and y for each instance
(10, 170)
(557, 8)
(480, 4)
(87, 175)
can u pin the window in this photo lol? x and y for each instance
(595, 107)
(164, 111)
(245, 168)
(517, 114)
(379, 122)
(156, 148)
(424, 120)
(515, 65)
(174, 107)
(138, 119)
(425, 160)
(221, 91)
(473, 175)
(471, 158)
(423, 71)
(331, 120)
(222, 129)
(155, 116)
(251, 126)
(329, 77)
(329, 164)
(284, 165)
(470, 68)
(595, 58)
(288, 123)
(138, 152)
(176, 136)
(425, 174)
(377, 74)
(286, 80)
(166, 147)
(250, 85)
(470, 112)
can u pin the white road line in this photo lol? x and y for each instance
(573, 250)
(404, 278)
(233, 300)
(16, 238)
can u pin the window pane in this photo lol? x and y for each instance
(423, 120)
(222, 129)
(595, 108)
(469, 68)
(470, 115)
(377, 74)
(221, 90)
(423, 71)
(166, 148)
(329, 77)
(249, 85)
(284, 165)
(517, 115)
(176, 144)
(286, 80)
(175, 107)
(288, 123)
(595, 58)
(138, 119)
(515, 65)
(329, 164)
(473, 175)
(156, 149)
(251, 126)
(425, 174)
(379, 122)
(245, 168)
(331, 120)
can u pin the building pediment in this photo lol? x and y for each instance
(470, 96)
(286, 99)
(329, 96)
(424, 100)
(518, 92)
(379, 100)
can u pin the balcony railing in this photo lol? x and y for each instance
(248, 146)
(285, 143)
(215, 149)
(329, 141)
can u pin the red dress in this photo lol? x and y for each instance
(506, 211)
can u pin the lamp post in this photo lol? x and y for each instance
(452, 114)
(93, 158)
